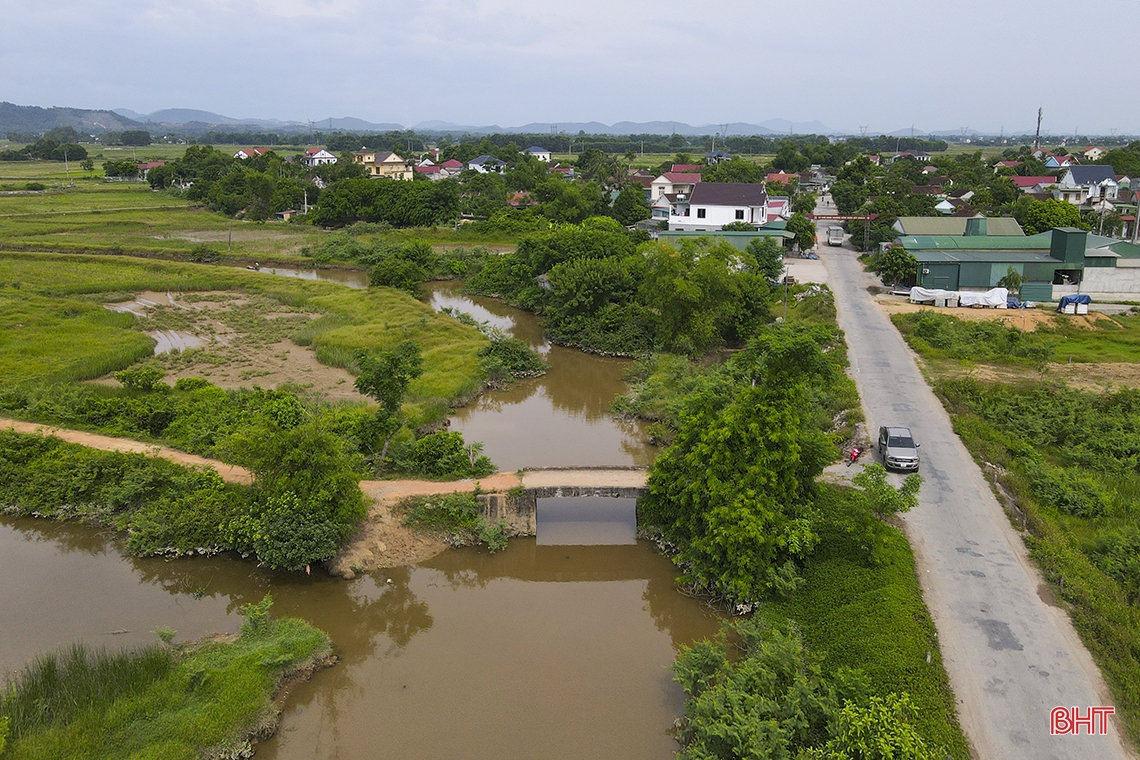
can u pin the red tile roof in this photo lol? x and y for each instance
(687, 168)
(1025, 182)
(683, 178)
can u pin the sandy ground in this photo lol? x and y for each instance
(1023, 319)
(228, 472)
(807, 270)
(232, 359)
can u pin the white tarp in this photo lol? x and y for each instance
(923, 295)
(995, 298)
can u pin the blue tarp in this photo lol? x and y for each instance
(1078, 298)
(1012, 303)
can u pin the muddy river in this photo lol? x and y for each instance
(537, 651)
(558, 650)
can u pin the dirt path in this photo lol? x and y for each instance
(228, 472)
(383, 540)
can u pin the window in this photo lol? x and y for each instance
(739, 213)
(700, 213)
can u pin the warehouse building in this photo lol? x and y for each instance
(1063, 261)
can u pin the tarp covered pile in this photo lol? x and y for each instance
(996, 298)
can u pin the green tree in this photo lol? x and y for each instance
(884, 499)
(789, 159)
(1041, 216)
(804, 230)
(769, 256)
(630, 205)
(895, 265)
(734, 491)
(848, 196)
(137, 137)
(738, 226)
(386, 379)
(1012, 281)
(291, 537)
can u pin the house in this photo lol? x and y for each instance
(383, 164)
(1084, 184)
(146, 167)
(678, 168)
(566, 172)
(783, 178)
(432, 172)
(958, 226)
(716, 157)
(1094, 153)
(521, 200)
(918, 155)
(670, 183)
(930, 169)
(452, 166)
(875, 160)
(287, 214)
(945, 207)
(484, 164)
(1033, 184)
(779, 208)
(711, 205)
(542, 154)
(1006, 165)
(1059, 162)
(245, 153)
(318, 157)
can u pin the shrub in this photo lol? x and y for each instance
(144, 379)
(456, 518)
(445, 455)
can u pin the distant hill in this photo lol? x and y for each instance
(14, 118)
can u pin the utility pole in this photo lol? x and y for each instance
(66, 169)
(1037, 137)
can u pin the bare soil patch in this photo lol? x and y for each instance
(1023, 319)
(234, 341)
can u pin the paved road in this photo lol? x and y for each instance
(1011, 657)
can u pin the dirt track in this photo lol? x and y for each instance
(229, 472)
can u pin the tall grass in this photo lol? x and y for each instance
(202, 700)
(56, 688)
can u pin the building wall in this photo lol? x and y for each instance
(717, 216)
(1112, 283)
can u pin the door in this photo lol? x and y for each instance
(940, 276)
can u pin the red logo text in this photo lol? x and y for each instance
(1065, 721)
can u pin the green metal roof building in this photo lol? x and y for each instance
(1051, 263)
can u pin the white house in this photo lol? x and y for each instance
(318, 157)
(711, 205)
(670, 183)
(245, 153)
(485, 164)
(1095, 153)
(1084, 184)
(1059, 162)
(542, 154)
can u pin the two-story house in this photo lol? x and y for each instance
(542, 154)
(1087, 184)
(384, 163)
(711, 205)
(673, 183)
(318, 157)
(485, 164)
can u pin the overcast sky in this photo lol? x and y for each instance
(883, 63)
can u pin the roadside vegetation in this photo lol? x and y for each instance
(207, 698)
(1066, 462)
(453, 517)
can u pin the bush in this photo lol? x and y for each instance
(455, 517)
(507, 359)
(445, 455)
(144, 379)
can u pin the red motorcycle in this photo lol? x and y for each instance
(855, 453)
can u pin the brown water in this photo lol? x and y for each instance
(538, 651)
(559, 419)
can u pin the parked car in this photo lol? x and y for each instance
(897, 449)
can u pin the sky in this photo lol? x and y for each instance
(884, 64)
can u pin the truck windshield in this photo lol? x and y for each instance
(900, 442)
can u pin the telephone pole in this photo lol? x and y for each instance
(1037, 137)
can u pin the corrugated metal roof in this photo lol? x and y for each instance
(1038, 242)
(985, 256)
(935, 225)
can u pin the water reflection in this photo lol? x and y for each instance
(537, 651)
(559, 419)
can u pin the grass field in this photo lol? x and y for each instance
(205, 699)
(92, 215)
(45, 291)
(872, 618)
